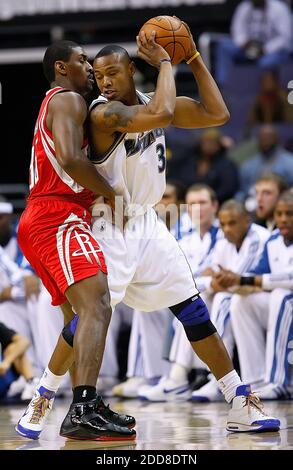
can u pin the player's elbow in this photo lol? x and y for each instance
(67, 162)
(166, 117)
(221, 118)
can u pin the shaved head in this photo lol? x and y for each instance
(114, 49)
(233, 205)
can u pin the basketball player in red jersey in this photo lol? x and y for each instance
(55, 237)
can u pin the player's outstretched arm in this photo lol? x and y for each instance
(115, 116)
(211, 109)
(67, 115)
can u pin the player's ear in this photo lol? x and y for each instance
(132, 68)
(60, 67)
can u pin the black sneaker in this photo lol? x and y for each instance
(115, 418)
(83, 422)
(201, 379)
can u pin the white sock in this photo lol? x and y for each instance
(178, 373)
(50, 380)
(228, 385)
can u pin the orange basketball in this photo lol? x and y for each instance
(171, 34)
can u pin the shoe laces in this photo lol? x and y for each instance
(253, 402)
(39, 405)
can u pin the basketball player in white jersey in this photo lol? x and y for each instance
(14, 313)
(263, 321)
(239, 250)
(145, 352)
(60, 170)
(148, 269)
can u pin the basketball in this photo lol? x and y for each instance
(171, 34)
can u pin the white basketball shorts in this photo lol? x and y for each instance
(146, 267)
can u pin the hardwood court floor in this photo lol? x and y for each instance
(160, 426)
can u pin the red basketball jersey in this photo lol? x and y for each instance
(47, 178)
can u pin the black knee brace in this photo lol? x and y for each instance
(195, 318)
(69, 330)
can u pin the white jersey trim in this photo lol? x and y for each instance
(102, 100)
(47, 143)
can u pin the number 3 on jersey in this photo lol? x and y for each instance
(160, 149)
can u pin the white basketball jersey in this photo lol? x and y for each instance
(135, 164)
(247, 257)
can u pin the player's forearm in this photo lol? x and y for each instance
(85, 174)
(210, 97)
(164, 98)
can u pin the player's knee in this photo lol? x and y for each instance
(99, 310)
(105, 311)
(195, 318)
(94, 304)
(69, 331)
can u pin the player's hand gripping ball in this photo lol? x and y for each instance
(173, 35)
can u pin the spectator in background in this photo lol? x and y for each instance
(271, 104)
(14, 362)
(261, 32)
(168, 209)
(211, 166)
(9, 243)
(271, 158)
(289, 143)
(263, 321)
(268, 189)
(15, 297)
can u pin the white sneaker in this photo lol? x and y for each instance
(166, 390)
(247, 413)
(274, 392)
(16, 387)
(29, 389)
(209, 392)
(34, 418)
(129, 388)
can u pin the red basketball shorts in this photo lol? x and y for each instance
(55, 237)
